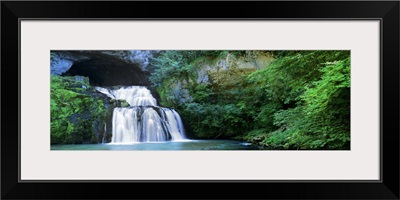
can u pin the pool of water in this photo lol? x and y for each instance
(176, 145)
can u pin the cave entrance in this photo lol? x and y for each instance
(103, 72)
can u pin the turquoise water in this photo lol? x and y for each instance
(177, 145)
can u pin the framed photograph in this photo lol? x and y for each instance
(301, 98)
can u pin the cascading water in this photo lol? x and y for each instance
(105, 131)
(143, 120)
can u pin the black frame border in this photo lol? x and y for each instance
(385, 11)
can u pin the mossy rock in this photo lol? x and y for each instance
(78, 112)
(123, 103)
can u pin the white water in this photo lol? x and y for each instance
(143, 121)
(134, 95)
(174, 124)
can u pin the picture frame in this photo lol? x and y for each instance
(387, 12)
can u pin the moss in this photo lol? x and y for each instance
(75, 108)
(123, 103)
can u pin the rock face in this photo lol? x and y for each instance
(62, 61)
(223, 71)
(252, 60)
(104, 68)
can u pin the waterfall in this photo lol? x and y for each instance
(105, 132)
(134, 95)
(174, 124)
(143, 120)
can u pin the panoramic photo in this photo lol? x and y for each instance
(200, 100)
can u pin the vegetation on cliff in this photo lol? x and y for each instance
(78, 113)
(296, 100)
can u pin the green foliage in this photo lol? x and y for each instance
(73, 111)
(172, 64)
(313, 88)
(300, 101)
(213, 120)
(289, 76)
(202, 93)
(336, 77)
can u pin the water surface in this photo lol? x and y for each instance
(176, 145)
